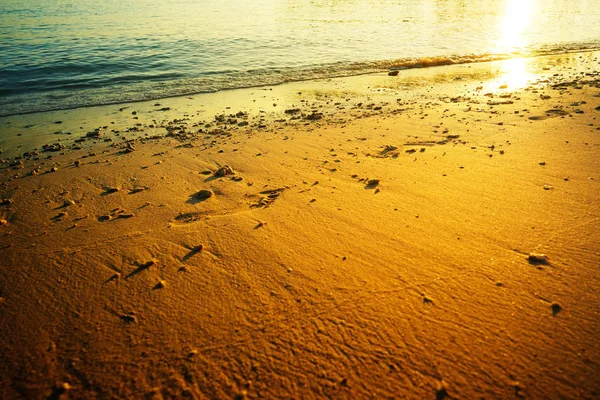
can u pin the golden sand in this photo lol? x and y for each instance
(430, 235)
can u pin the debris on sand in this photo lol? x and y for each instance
(145, 265)
(556, 308)
(389, 151)
(114, 277)
(109, 190)
(440, 391)
(125, 216)
(193, 251)
(114, 214)
(96, 133)
(140, 268)
(372, 183)
(129, 148)
(203, 194)
(138, 190)
(129, 318)
(269, 197)
(52, 147)
(314, 116)
(538, 258)
(224, 171)
(59, 390)
(518, 388)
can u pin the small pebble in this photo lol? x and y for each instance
(63, 388)
(126, 216)
(556, 308)
(128, 318)
(147, 264)
(224, 171)
(440, 391)
(538, 258)
(203, 194)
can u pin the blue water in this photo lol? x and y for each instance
(57, 54)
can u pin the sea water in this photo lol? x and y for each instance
(59, 54)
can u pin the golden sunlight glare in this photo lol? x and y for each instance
(515, 73)
(517, 17)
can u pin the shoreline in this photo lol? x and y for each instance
(36, 129)
(428, 235)
(340, 70)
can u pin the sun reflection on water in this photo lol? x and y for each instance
(517, 17)
(514, 73)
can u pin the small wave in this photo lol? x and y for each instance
(425, 62)
(148, 86)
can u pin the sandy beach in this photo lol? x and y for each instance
(429, 235)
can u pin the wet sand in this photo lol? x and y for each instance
(427, 235)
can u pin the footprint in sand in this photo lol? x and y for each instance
(268, 198)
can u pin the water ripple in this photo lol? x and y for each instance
(68, 54)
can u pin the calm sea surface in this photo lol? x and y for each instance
(57, 54)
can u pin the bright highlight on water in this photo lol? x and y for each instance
(66, 54)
